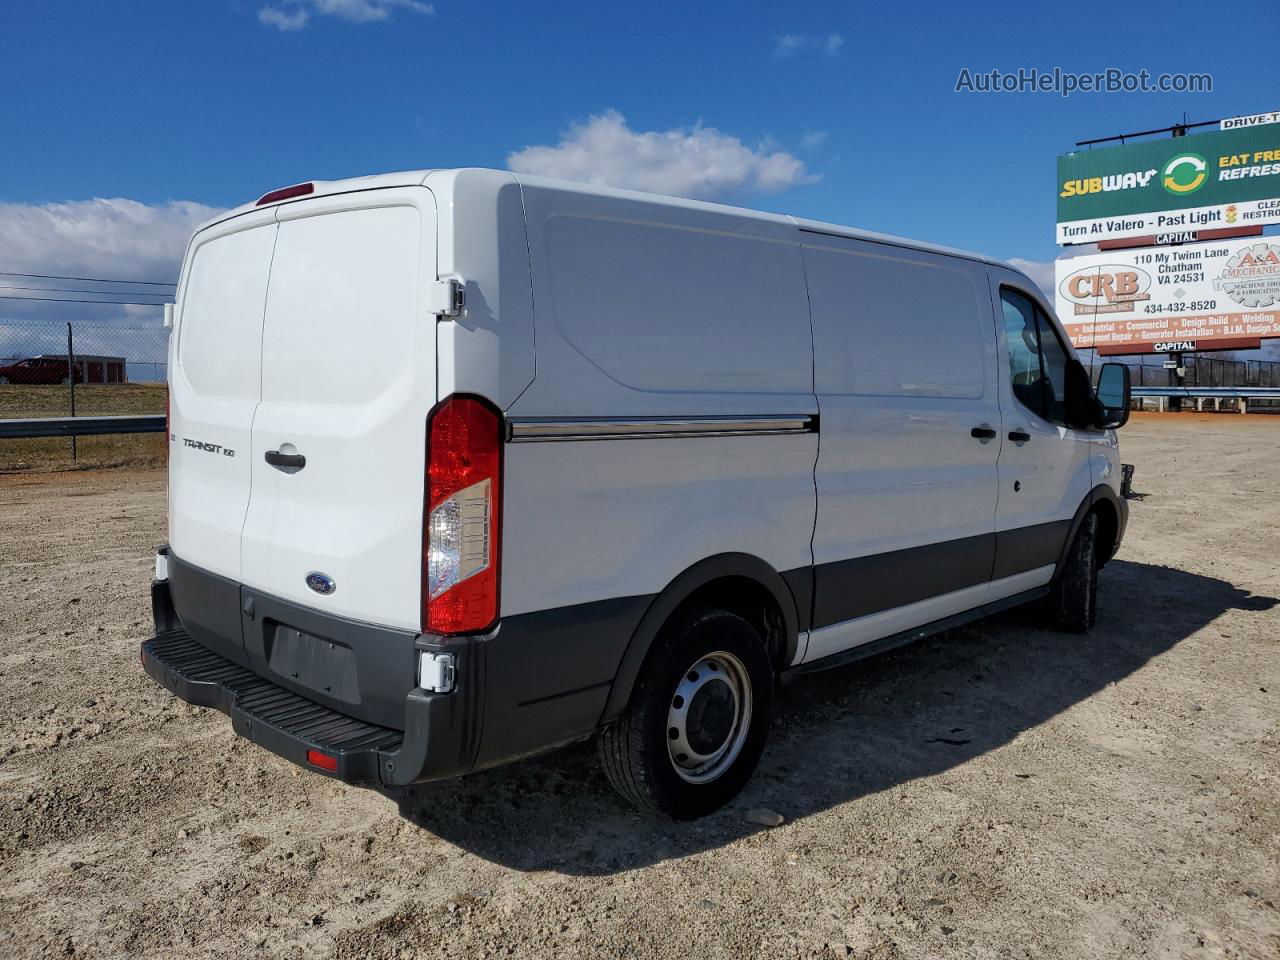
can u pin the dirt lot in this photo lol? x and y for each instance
(999, 791)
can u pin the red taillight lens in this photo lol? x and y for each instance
(322, 760)
(286, 193)
(461, 532)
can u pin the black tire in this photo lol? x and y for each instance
(634, 751)
(1073, 599)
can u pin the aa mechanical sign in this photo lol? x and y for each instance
(1214, 295)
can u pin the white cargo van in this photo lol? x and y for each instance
(464, 465)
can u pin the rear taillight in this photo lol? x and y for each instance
(461, 532)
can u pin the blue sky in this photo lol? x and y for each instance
(211, 101)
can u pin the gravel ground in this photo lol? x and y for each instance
(999, 791)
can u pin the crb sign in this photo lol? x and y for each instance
(1209, 293)
(1105, 288)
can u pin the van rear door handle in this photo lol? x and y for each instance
(983, 432)
(278, 459)
(1019, 436)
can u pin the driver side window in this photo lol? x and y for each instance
(1037, 358)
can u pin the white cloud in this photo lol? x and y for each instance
(696, 161)
(284, 19)
(1042, 272)
(99, 238)
(1039, 271)
(814, 139)
(794, 44)
(788, 44)
(116, 239)
(296, 14)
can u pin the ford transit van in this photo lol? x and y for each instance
(465, 465)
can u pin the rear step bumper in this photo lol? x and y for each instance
(441, 730)
(536, 681)
(285, 723)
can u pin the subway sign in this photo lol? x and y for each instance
(1221, 179)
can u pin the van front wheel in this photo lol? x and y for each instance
(698, 717)
(1073, 598)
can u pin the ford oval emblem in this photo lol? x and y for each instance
(321, 583)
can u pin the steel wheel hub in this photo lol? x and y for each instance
(709, 716)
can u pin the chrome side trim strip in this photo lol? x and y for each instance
(534, 429)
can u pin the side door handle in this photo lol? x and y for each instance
(1019, 436)
(984, 432)
(278, 459)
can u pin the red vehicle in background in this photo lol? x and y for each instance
(56, 369)
(38, 370)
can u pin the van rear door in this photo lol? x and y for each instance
(348, 372)
(215, 383)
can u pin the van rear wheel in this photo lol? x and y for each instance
(1073, 598)
(698, 718)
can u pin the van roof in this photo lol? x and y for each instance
(418, 177)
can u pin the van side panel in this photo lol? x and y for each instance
(652, 311)
(905, 369)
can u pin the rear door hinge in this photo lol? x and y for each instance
(446, 298)
(437, 672)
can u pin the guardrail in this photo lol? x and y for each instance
(1240, 396)
(80, 426)
(1233, 393)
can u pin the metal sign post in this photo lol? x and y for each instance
(71, 373)
(1175, 379)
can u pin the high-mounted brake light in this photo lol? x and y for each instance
(461, 534)
(286, 193)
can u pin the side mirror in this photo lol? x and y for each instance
(1113, 396)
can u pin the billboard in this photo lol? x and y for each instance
(1224, 178)
(1254, 120)
(1217, 295)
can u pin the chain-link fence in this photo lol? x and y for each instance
(56, 368)
(1207, 372)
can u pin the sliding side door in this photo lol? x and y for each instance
(905, 372)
